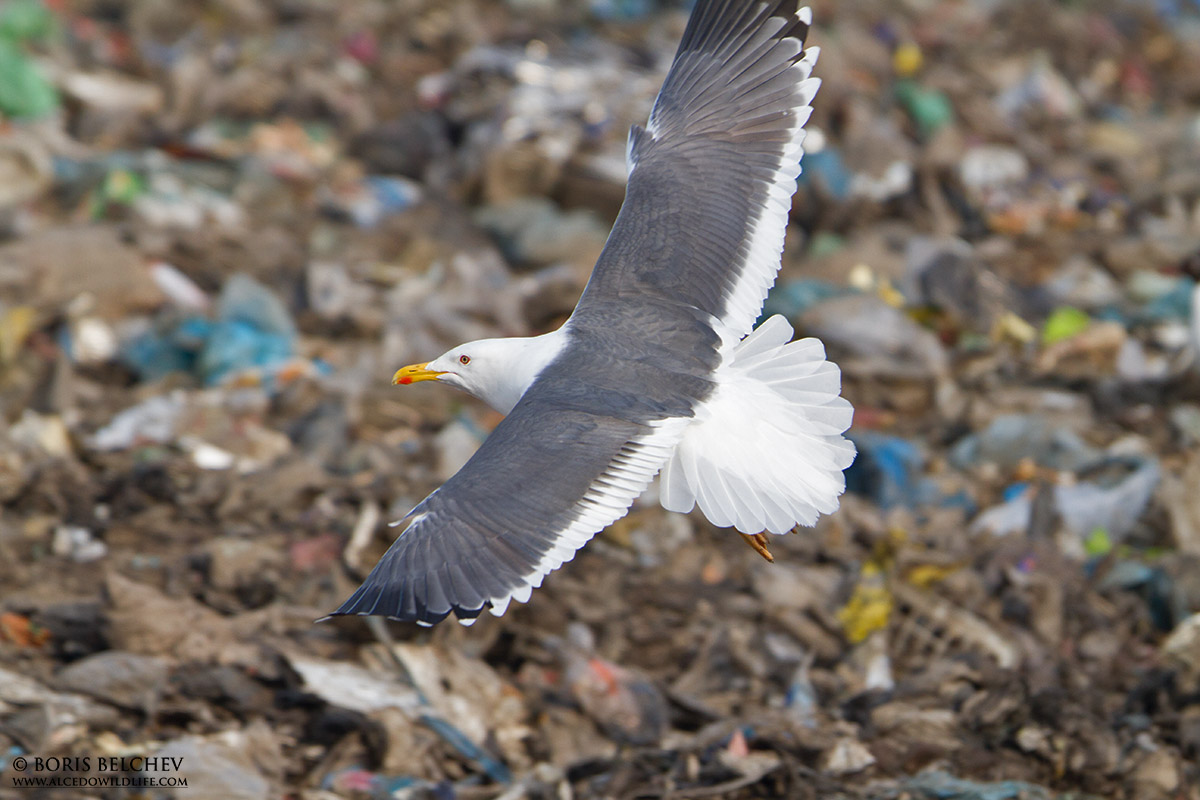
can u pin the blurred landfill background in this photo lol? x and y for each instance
(223, 225)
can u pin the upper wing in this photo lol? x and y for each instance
(713, 173)
(564, 464)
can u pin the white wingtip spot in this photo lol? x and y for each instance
(467, 622)
(500, 607)
(808, 90)
(804, 15)
(424, 624)
(811, 54)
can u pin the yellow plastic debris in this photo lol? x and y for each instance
(1012, 328)
(890, 294)
(15, 325)
(865, 279)
(907, 60)
(869, 608)
(925, 575)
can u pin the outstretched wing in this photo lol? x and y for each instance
(713, 173)
(568, 461)
(687, 266)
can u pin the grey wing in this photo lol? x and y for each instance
(565, 463)
(713, 172)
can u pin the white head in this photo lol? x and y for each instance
(497, 371)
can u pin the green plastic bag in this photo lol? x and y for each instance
(24, 91)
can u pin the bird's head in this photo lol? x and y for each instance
(496, 371)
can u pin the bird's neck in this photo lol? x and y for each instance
(529, 356)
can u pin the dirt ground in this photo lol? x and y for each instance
(224, 225)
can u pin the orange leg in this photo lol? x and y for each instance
(758, 542)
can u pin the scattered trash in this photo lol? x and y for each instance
(1041, 90)
(49, 717)
(535, 232)
(1116, 504)
(626, 705)
(370, 201)
(353, 687)
(45, 432)
(889, 470)
(252, 336)
(77, 544)
(25, 90)
(222, 230)
(1011, 439)
(253, 331)
(1063, 323)
(178, 287)
(20, 631)
(153, 421)
(869, 607)
(234, 764)
(930, 109)
(1182, 647)
(122, 679)
(353, 779)
(26, 168)
(942, 786)
(988, 168)
(847, 757)
(802, 701)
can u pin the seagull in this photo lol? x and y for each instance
(659, 368)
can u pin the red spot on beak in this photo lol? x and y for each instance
(405, 380)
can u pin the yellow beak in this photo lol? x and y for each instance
(414, 373)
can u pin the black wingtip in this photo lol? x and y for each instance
(381, 596)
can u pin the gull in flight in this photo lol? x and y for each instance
(659, 368)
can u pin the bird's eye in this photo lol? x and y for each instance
(464, 360)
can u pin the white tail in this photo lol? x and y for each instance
(766, 451)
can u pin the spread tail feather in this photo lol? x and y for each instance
(766, 451)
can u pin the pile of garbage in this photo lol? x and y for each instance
(223, 226)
